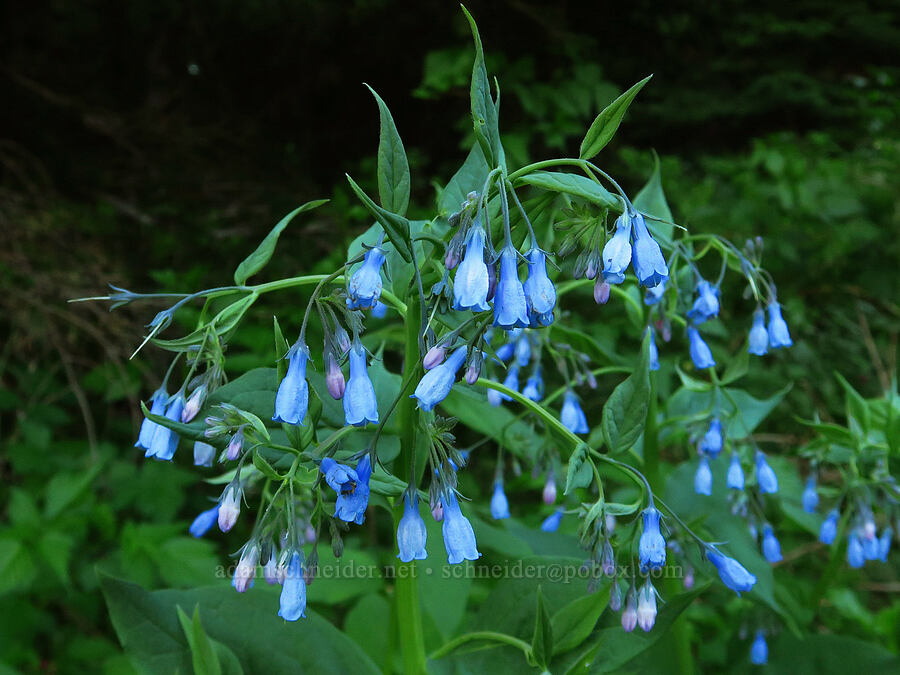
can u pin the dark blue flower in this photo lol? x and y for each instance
(436, 383)
(470, 285)
(653, 351)
(360, 404)
(551, 522)
(459, 538)
(759, 651)
(652, 545)
(856, 557)
(411, 532)
(703, 478)
(351, 486)
(768, 481)
(148, 428)
(810, 495)
(828, 531)
(779, 336)
(364, 287)
(759, 336)
(735, 478)
(165, 441)
(706, 306)
(617, 252)
(499, 502)
(204, 522)
(711, 443)
(292, 603)
(572, 416)
(649, 264)
(510, 307)
(770, 546)
(292, 399)
(700, 352)
(731, 572)
(540, 294)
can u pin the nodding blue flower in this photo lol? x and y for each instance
(505, 351)
(204, 522)
(494, 397)
(703, 478)
(617, 252)
(203, 454)
(856, 557)
(351, 486)
(523, 350)
(706, 306)
(700, 352)
(629, 615)
(572, 416)
(870, 546)
(646, 609)
(735, 479)
(551, 522)
(364, 287)
(459, 538)
(828, 531)
(770, 546)
(499, 502)
(768, 481)
(779, 335)
(654, 295)
(649, 264)
(534, 386)
(653, 351)
(810, 495)
(292, 399)
(379, 310)
(436, 383)
(540, 294)
(511, 381)
(759, 651)
(411, 532)
(229, 507)
(759, 336)
(292, 603)
(884, 544)
(165, 441)
(510, 307)
(652, 546)
(470, 285)
(711, 443)
(148, 428)
(360, 404)
(731, 572)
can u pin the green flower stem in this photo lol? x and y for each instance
(501, 638)
(651, 441)
(567, 286)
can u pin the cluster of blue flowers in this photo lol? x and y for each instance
(864, 544)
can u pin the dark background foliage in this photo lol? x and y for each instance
(150, 144)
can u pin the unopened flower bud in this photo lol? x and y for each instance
(310, 534)
(311, 568)
(629, 616)
(229, 507)
(235, 445)
(549, 493)
(615, 596)
(646, 610)
(434, 356)
(342, 339)
(608, 560)
(194, 403)
(451, 259)
(334, 378)
(246, 568)
(592, 267)
(437, 511)
(473, 369)
(869, 528)
(689, 578)
(270, 571)
(601, 291)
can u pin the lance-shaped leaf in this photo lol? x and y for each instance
(626, 410)
(393, 167)
(484, 109)
(604, 126)
(651, 201)
(542, 640)
(396, 227)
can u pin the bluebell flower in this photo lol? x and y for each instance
(629, 615)
(411, 532)
(617, 252)
(499, 502)
(779, 336)
(759, 336)
(654, 295)
(652, 545)
(870, 547)
(204, 454)
(572, 416)
(706, 306)
(646, 609)
(148, 428)
(884, 544)
(711, 443)
(540, 294)
(510, 308)
(653, 351)
(165, 441)
(364, 287)
(436, 383)
(351, 486)
(494, 397)
(379, 310)
(765, 477)
(770, 546)
(703, 478)
(292, 603)
(700, 352)
(511, 381)
(735, 479)
(649, 264)
(534, 386)
(810, 495)
(505, 351)
(731, 572)
(204, 522)
(360, 404)
(856, 557)
(292, 399)
(459, 538)
(523, 350)
(470, 285)
(828, 531)
(759, 651)
(551, 522)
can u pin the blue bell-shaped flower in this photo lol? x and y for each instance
(165, 441)
(470, 285)
(706, 306)
(652, 545)
(770, 546)
(534, 386)
(617, 252)
(700, 352)
(360, 404)
(499, 502)
(649, 264)
(703, 478)
(510, 307)
(292, 399)
(765, 476)
(731, 572)
(540, 294)
(364, 287)
(572, 416)
(351, 486)
(204, 522)
(810, 495)
(856, 557)
(828, 531)
(551, 522)
(759, 651)
(759, 336)
(711, 443)
(292, 603)
(148, 428)
(735, 478)
(411, 532)
(436, 383)
(779, 335)
(459, 538)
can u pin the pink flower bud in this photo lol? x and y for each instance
(629, 616)
(334, 378)
(434, 357)
(229, 508)
(451, 260)
(246, 569)
(590, 272)
(437, 511)
(235, 445)
(549, 493)
(310, 534)
(689, 579)
(193, 404)
(270, 571)
(342, 339)
(601, 291)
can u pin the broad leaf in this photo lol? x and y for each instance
(484, 109)
(651, 201)
(393, 167)
(626, 409)
(607, 122)
(573, 184)
(396, 227)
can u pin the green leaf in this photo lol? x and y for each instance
(604, 127)
(575, 622)
(651, 201)
(264, 467)
(484, 110)
(742, 411)
(64, 488)
(625, 411)
(542, 641)
(203, 656)
(578, 473)
(737, 368)
(254, 262)
(395, 227)
(195, 431)
(856, 404)
(470, 177)
(393, 167)
(222, 323)
(573, 184)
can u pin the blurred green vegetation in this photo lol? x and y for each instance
(150, 144)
